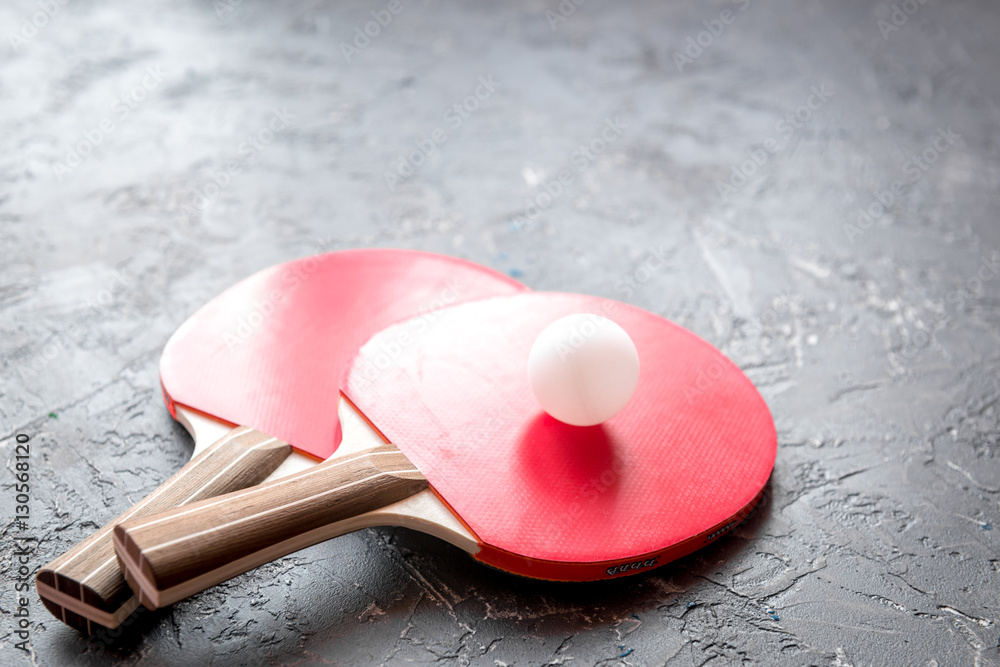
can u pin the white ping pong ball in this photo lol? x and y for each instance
(583, 369)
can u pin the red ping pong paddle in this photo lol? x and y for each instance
(475, 461)
(268, 354)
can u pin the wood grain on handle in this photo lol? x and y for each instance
(85, 586)
(176, 554)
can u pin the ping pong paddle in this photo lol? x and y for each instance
(474, 461)
(262, 358)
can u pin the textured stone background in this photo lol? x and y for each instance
(876, 348)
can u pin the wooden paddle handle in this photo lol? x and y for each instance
(84, 585)
(178, 553)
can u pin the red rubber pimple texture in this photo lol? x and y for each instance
(270, 352)
(691, 451)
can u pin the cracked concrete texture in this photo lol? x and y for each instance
(876, 345)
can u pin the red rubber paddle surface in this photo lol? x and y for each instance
(683, 463)
(270, 352)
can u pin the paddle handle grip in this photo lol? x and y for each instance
(84, 586)
(178, 553)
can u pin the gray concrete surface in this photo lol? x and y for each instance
(875, 341)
